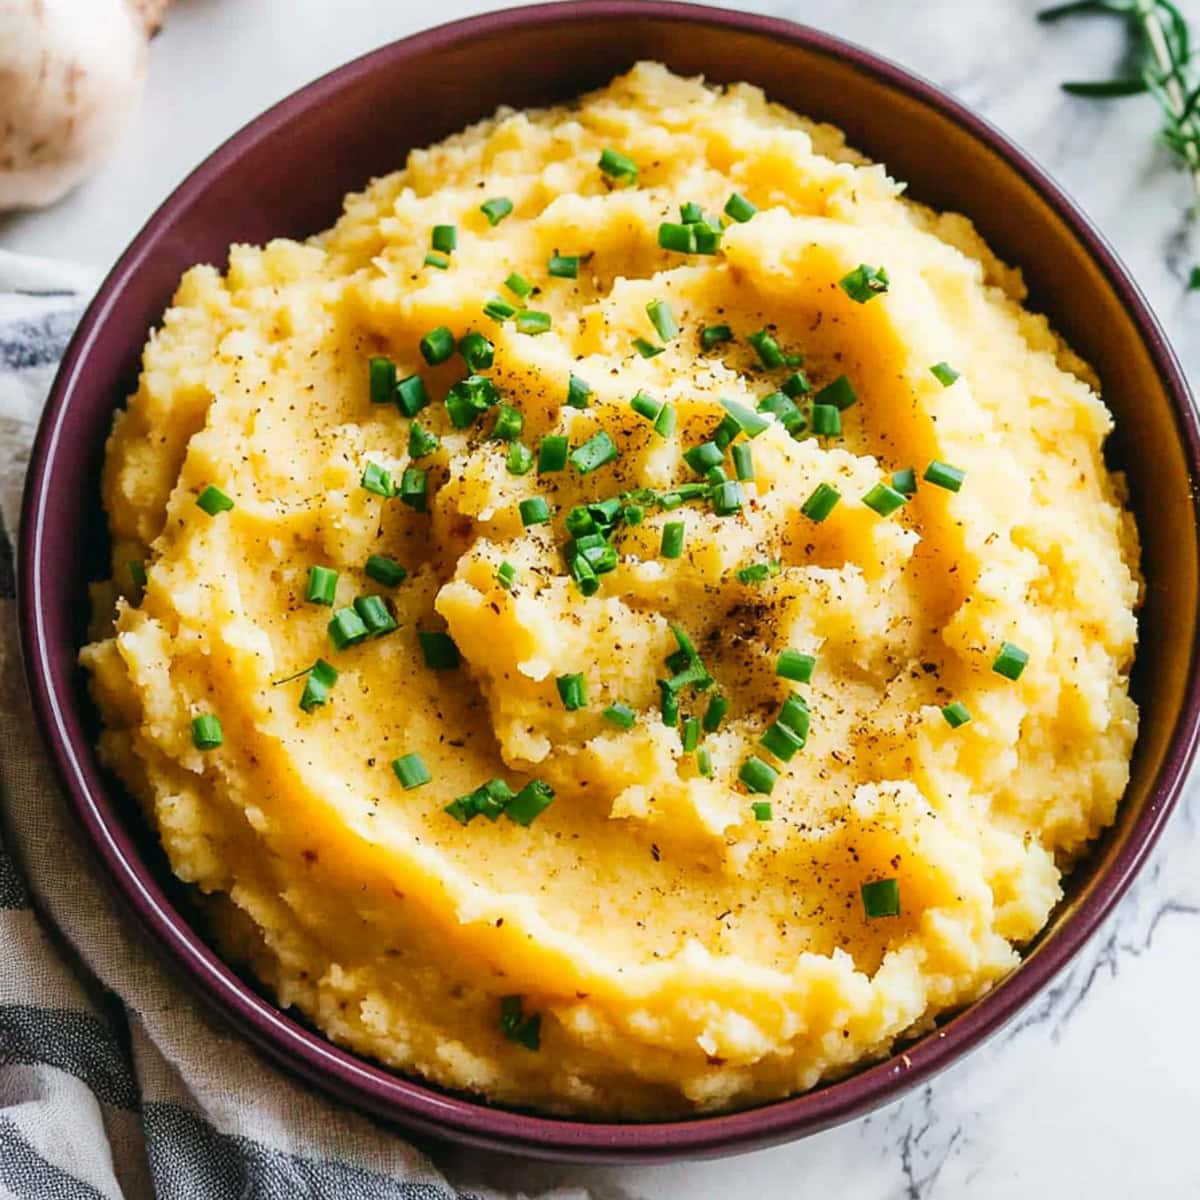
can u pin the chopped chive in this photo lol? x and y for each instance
(578, 391)
(669, 703)
(633, 514)
(509, 424)
(794, 715)
(715, 475)
(747, 420)
(411, 771)
(385, 571)
(715, 335)
(681, 238)
(647, 349)
(781, 741)
(572, 691)
(708, 239)
(445, 238)
(726, 432)
(552, 454)
(375, 615)
(382, 377)
(212, 500)
(704, 762)
(519, 459)
(761, 810)
(718, 706)
(437, 345)
(322, 585)
(620, 715)
(943, 475)
(1010, 661)
(796, 384)
(669, 501)
(496, 209)
(377, 480)
(440, 261)
(672, 539)
(905, 481)
(468, 398)
(784, 410)
(690, 213)
(439, 651)
(881, 898)
(206, 732)
(619, 167)
(321, 676)
(645, 406)
(884, 499)
(563, 266)
(956, 714)
(477, 352)
(526, 1031)
(767, 349)
(534, 511)
(499, 310)
(791, 664)
(664, 423)
(821, 503)
(532, 323)
(413, 487)
(743, 460)
(703, 457)
(754, 574)
(584, 575)
(663, 319)
(944, 373)
(346, 628)
(518, 285)
(826, 420)
(727, 498)
(137, 572)
(840, 393)
(421, 441)
(411, 395)
(506, 576)
(758, 776)
(594, 453)
(532, 800)
(690, 735)
(864, 283)
(739, 209)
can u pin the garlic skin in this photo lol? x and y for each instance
(72, 73)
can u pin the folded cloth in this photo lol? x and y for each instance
(114, 1083)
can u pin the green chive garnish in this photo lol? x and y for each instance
(715, 335)
(584, 575)
(796, 384)
(621, 715)
(594, 453)
(518, 285)
(619, 167)
(761, 810)
(826, 420)
(506, 575)
(956, 714)
(377, 480)
(881, 898)
(572, 691)
(791, 664)
(884, 499)
(445, 238)
(496, 209)
(421, 441)
(552, 454)
(322, 584)
(533, 799)
(437, 345)
(468, 398)
(385, 571)
(864, 283)
(905, 481)
(526, 1031)
(578, 391)
(477, 352)
(781, 740)
(375, 615)
(1010, 661)
(499, 310)
(382, 373)
(739, 209)
(509, 424)
(519, 460)
(680, 238)
(944, 373)
(212, 500)
(821, 503)
(563, 266)
(647, 349)
(840, 393)
(784, 410)
(439, 651)
(669, 704)
(440, 261)
(534, 511)
(746, 419)
(346, 628)
(690, 734)
(206, 732)
(663, 319)
(321, 677)
(411, 395)
(743, 460)
(794, 715)
(704, 762)
(943, 475)
(413, 485)
(411, 771)
(532, 322)
(727, 498)
(672, 539)
(767, 349)
(758, 776)
(704, 457)
(754, 574)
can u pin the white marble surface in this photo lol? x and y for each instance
(1096, 1090)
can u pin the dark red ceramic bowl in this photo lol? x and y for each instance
(286, 173)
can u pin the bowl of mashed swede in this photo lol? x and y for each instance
(640, 610)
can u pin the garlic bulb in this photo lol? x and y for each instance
(72, 74)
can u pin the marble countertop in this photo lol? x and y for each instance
(1095, 1089)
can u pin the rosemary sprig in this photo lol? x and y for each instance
(1161, 63)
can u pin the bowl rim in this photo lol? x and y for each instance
(425, 1108)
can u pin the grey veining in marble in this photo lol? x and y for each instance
(1095, 1090)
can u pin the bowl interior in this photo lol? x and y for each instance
(287, 174)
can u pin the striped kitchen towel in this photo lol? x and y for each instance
(114, 1083)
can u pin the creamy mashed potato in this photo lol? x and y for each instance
(695, 920)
